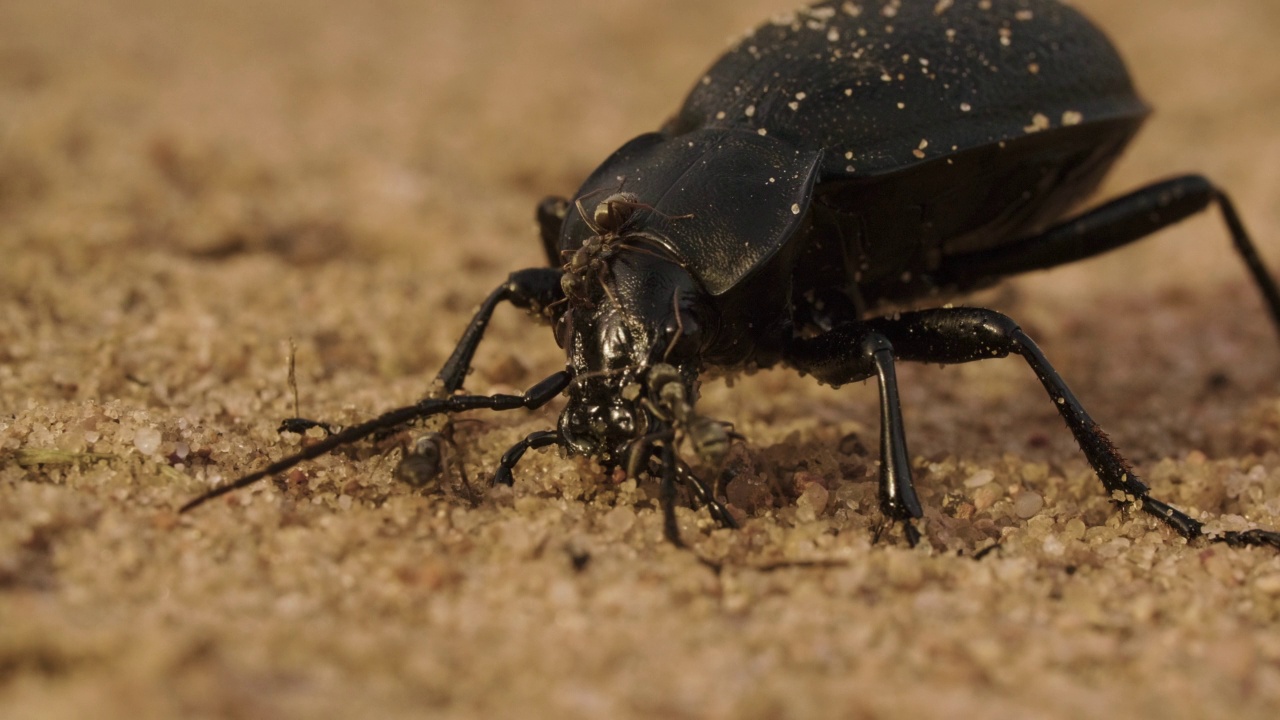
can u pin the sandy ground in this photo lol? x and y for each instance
(184, 187)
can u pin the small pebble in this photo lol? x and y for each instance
(980, 478)
(1027, 504)
(147, 440)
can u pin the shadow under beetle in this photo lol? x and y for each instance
(832, 162)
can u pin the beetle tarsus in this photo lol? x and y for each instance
(1251, 538)
(911, 533)
(1193, 529)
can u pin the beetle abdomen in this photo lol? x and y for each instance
(881, 86)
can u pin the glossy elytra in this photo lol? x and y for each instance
(850, 155)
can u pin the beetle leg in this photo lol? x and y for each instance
(531, 289)
(539, 439)
(1119, 222)
(533, 398)
(958, 335)
(828, 358)
(550, 215)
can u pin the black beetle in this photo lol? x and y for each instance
(843, 158)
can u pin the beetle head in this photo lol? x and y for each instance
(639, 311)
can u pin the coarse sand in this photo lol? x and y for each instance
(187, 188)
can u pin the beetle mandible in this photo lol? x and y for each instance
(832, 162)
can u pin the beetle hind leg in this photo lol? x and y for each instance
(1117, 223)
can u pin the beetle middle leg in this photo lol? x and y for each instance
(958, 335)
(855, 351)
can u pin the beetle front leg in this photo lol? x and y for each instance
(958, 335)
(854, 352)
(533, 289)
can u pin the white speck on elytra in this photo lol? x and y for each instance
(1038, 122)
